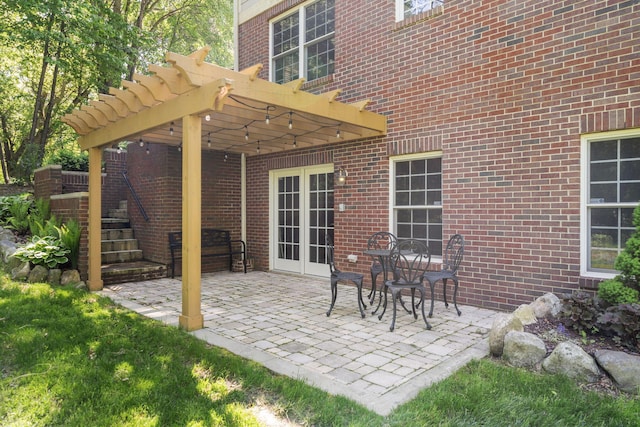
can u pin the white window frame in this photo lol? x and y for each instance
(585, 141)
(392, 190)
(303, 43)
(400, 8)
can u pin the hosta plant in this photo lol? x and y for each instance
(47, 251)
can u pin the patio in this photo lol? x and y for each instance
(279, 321)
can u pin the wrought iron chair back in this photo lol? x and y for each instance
(451, 259)
(453, 254)
(382, 240)
(342, 276)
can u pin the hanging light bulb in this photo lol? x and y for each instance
(141, 143)
(295, 142)
(338, 133)
(226, 156)
(171, 129)
(209, 140)
(246, 133)
(266, 119)
(180, 147)
(290, 121)
(119, 150)
(207, 117)
(147, 148)
(258, 148)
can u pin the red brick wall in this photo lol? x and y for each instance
(504, 89)
(75, 206)
(157, 180)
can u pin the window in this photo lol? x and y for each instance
(303, 43)
(417, 200)
(612, 192)
(407, 8)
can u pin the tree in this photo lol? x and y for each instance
(58, 54)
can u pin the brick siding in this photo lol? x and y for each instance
(504, 89)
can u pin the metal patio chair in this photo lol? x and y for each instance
(342, 276)
(381, 240)
(409, 260)
(452, 257)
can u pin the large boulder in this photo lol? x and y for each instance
(7, 235)
(526, 314)
(571, 360)
(54, 276)
(622, 367)
(523, 349)
(38, 274)
(7, 248)
(21, 272)
(548, 305)
(501, 326)
(69, 277)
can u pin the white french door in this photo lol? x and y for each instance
(301, 217)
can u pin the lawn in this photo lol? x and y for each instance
(72, 358)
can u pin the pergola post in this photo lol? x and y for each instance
(94, 282)
(191, 317)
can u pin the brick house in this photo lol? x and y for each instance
(517, 124)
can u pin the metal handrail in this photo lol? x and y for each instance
(135, 196)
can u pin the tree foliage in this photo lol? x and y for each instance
(59, 54)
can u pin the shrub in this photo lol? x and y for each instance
(615, 292)
(47, 251)
(622, 322)
(70, 160)
(18, 215)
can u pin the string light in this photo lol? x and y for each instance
(290, 120)
(147, 147)
(226, 156)
(266, 119)
(180, 147)
(207, 117)
(338, 133)
(295, 143)
(141, 143)
(258, 149)
(246, 133)
(209, 140)
(171, 129)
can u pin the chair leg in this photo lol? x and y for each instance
(432, 286)
(393, 320)
(361, 304)
(384, 306)
(413, 306)
(444, 292)
(455, 293)
(422, 291)
(334, 294)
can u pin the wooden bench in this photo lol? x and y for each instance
(214, 243)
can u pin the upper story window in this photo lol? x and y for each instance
(417, 199)
(612, 188)
(303, 43)
(407, 8)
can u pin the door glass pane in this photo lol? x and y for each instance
(320, 215)
(288, 214)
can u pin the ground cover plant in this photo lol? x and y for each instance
(73, 358)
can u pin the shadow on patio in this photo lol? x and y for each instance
(279, 320)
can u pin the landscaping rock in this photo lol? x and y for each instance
(38, 274)
(526, 314)
(571, 360)
(69, 276)
(7, 235)
(21, 272)
(54, 276)
(548, 305)
(13, 262)
(622, 367)
(7, 248)
(522, 349)
(501, 326)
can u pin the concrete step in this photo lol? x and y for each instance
(119, 245)
(121, 256)
(117, 234)
(111, 223)
(136, 271)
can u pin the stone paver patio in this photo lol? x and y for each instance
(279, 320)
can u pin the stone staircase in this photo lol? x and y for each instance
(122, 260)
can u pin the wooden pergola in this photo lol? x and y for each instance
(199, 106)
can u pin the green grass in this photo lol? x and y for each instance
(72, 358)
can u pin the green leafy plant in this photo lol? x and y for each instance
(615, 292)
(580, 311)
(70, 160)
(47, 251)
(70, 237)
(18, 218)
(622, 322)
(7, 201)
